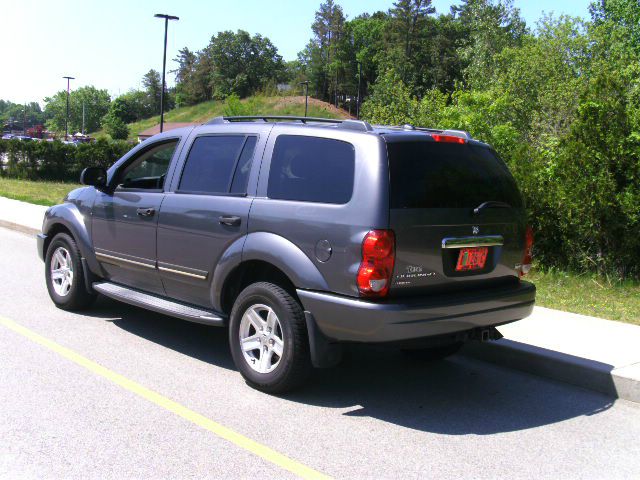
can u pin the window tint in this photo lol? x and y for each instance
(441, 175)
(210, 164)
(312, 169)
(150, 168)
(241, 176)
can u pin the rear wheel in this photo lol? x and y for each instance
(268, 338)
(433, 353)
(64, 274)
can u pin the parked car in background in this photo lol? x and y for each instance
(301, 236)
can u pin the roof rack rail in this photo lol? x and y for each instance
(430, 130)
(359, 125)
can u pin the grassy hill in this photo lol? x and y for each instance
(257, 105)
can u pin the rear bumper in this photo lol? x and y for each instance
(352, 320)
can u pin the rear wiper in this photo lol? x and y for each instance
(490, 204)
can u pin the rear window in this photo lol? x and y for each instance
(442, 175)
(311, 169)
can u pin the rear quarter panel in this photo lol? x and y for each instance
(305, 224)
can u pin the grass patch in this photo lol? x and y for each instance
(588, 295)
(40, 193)
(202, 112)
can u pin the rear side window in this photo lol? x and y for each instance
(427, 174)
(311, 169)
(218, 164)
(241, 176)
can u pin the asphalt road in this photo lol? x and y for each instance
(377, 416)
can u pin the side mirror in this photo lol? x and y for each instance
(95, 176)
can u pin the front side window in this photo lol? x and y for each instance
(149, 170)
(312, 169)
(218, 164)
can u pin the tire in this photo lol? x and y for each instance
(72, 295)
(262, 367)
(433, 354)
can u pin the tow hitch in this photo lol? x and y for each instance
(485, 334)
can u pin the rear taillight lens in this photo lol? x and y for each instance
(525, 266)
(376, 268)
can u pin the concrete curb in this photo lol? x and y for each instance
(622, 382)
(19, 228)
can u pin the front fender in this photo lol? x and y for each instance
(70, 216)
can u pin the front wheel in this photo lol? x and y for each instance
(64, 274)
(268, 338)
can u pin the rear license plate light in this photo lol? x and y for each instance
(472, 258)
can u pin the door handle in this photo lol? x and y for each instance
(230, 220)
(146, 212)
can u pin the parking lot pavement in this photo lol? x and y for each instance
(378, 415)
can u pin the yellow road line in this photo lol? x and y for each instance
(241, 441)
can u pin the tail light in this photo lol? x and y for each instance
(448, 138)
(528, 252)
(376, 268)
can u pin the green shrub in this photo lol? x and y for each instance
(115, 127)
(55, 160)
(233, 106)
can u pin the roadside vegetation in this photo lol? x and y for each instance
(588, 294)
(39, 193)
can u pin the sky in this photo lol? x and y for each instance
(112, 44)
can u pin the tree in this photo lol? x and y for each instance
(367, 34)
(407, 19)
(132, 106)
(242, 64)
(96, 104)
(623, 13)
(115, 127)
(489, 28)
(152, 83)
(186, 87)
(328, 29)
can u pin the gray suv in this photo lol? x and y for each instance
(301, 235)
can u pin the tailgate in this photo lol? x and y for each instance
(441, 243)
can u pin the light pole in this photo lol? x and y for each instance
(306, 96)
(358, 101)
(164, 62)
(66, 121)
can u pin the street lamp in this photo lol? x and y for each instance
(359, 81)
(164, 62)
(66, 121)
(306, 95)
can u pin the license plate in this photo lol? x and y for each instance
(473, 258)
